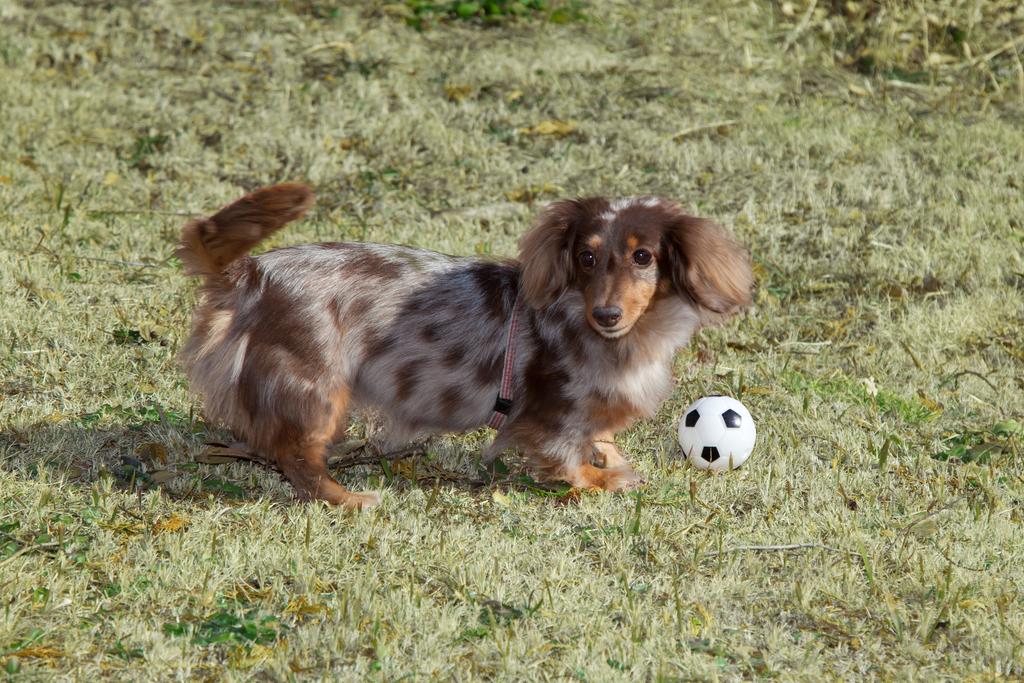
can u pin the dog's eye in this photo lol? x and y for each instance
(642, 257)
(587, 259)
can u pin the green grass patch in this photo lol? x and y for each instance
(837, 386)
(493, 12)
(134, 417)
(144, 147)
(1003, 439)
(227, 627)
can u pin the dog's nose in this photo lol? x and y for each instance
(608, 316)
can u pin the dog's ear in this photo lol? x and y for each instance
(708, 264)
(544, 253)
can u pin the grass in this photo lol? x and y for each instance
(874, 534)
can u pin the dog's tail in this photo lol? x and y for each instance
(208, 245)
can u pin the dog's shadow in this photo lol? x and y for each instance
(186, 459)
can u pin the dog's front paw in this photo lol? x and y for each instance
(623, 479)
(586, 476)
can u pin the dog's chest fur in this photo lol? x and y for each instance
(645, 376)
(572, 381)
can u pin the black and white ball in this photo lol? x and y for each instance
(717, 433)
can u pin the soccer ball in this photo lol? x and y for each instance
(717, 433)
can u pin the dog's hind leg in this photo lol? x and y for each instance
(305, 465)
(301, 453)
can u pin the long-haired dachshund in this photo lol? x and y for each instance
(560, 349)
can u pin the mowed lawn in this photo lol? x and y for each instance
(870, 155)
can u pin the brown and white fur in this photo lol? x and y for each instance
(285, 345)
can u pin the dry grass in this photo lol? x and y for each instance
(884, 358)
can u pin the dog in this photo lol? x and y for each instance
(559, 349)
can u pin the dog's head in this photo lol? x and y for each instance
(624, 254)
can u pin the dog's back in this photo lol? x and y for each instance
(281, 340)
